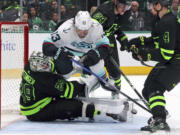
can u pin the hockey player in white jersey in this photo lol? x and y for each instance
(82, 36)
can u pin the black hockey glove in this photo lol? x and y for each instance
(141, 54)
(124, 43)
(138, 42)
(63, 64)
(91, 58)
(125, 46)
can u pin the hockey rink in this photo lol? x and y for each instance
(102, 125)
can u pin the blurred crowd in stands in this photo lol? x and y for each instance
(43, 15)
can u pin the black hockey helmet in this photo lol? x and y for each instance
(164, 3)
(116, 2)
(121, 1)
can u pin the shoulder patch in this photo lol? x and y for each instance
(100, 17)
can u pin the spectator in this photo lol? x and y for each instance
(35, 4)
(150, 16)
(35, 23)
(1, 15)
(11, 13)
(46, 12)
(54, 6)
(67, 3)
(25, 17)
(53, 23)
(93, 8)
(142, 5)
(72, 12)
(175, 8)
(64, 14)
(135, 17)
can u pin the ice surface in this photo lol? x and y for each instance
(103, 125)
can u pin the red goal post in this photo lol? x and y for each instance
(14, 48)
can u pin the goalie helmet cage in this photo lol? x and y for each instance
(14, 40)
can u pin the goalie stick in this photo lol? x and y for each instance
(114, 89)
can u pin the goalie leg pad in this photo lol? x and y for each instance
(117, 109)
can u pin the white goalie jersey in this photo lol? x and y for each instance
(67, 37)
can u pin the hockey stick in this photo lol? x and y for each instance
(133, 49)
(99, 78)
(108, 84)
(125, 77)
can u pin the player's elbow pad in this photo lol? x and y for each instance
(103, 51)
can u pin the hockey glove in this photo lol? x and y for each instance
(91, 58)
(63, 64)
(124, 43)
(138, 42)
(141, 54)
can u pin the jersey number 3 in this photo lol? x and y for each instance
(55, 36)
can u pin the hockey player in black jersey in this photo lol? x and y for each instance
(164, 47)
(45, 94)
(110, 16)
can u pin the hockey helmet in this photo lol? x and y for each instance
(120, 1)
(165, 3)
(39, 62)
(83, 20)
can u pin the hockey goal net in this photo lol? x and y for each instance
(13, 57)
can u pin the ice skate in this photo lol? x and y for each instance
(156, 124)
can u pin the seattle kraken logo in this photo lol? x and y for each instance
(82, 45)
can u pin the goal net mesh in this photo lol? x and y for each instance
(13, 53)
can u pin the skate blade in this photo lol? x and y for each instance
(158, 132)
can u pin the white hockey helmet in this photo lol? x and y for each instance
(83, 20)
(39, 62)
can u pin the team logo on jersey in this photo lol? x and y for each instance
(60, 84)
(82, 45)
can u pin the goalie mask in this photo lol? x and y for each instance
(40, 63)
